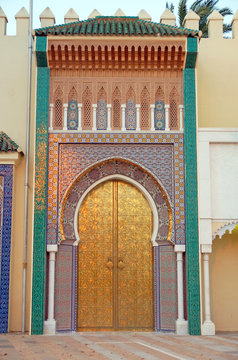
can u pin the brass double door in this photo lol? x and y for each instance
(115, 276)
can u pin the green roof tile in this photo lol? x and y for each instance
(116, 25)
(95, 28)
(125, 28)
(89, 28)
(113, 27)
(83, 28)
(150, 29)
(131, 28)
(107, 28)
(143, 28)
(119, 28)
(137, 28)
(7, 144)
(101, 28)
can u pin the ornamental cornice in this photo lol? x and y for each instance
(116, 54)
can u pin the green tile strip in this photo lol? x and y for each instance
(40, 201)
(190, 143)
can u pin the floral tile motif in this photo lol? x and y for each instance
(159, 117)
(72, 116)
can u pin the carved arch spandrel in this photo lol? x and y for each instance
(145, 109)
(73, 94)
(116, 109)
(87, 109)
(58, 106)
(173, 109)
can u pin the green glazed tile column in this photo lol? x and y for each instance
(191, 186)
(40, 201)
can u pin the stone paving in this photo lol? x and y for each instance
(118, 346)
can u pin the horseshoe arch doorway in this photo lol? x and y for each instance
(115, 259)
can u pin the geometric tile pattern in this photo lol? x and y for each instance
(66, 287)
(165, 288)
(159, 117)
(190, 144)
(101, 115)
(130, 115)
(72, 115)
(160, 154)
(1, 215)
(63, 281)
(6, 182)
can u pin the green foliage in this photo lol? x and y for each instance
(170, 6)
(203, 8)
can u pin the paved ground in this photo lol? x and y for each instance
(118, 346)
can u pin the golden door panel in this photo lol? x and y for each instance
(115, 286)
(95, 279)
(135, 278)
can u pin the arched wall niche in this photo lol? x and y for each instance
(227, 228)
(116, 169)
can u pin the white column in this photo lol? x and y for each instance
(123, 125)
(109, 128)
(80, 117)
(65, 116)
(94, 117)
(167, 117)
(181, 323)
(137, 117)
(51, 116)
(152, 117)
(208, 327)
(180, 117)
(50, 323)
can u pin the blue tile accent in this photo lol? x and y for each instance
(72, 116)
(7, 172)
(159, 116)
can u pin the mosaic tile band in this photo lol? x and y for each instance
(40, 200)
(1, 215)
(190, 141)
(165, 288)
(6, 172)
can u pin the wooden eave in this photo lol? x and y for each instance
(101, 53)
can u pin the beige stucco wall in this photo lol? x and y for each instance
(13, 113)
(224, 285)
(217, 85)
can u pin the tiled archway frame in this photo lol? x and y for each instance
(109, 169)
(172, 179)
(70, 156)
(164, 257)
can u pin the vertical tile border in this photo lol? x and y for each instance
(191, 189)
(40, 201)
(7, 172)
